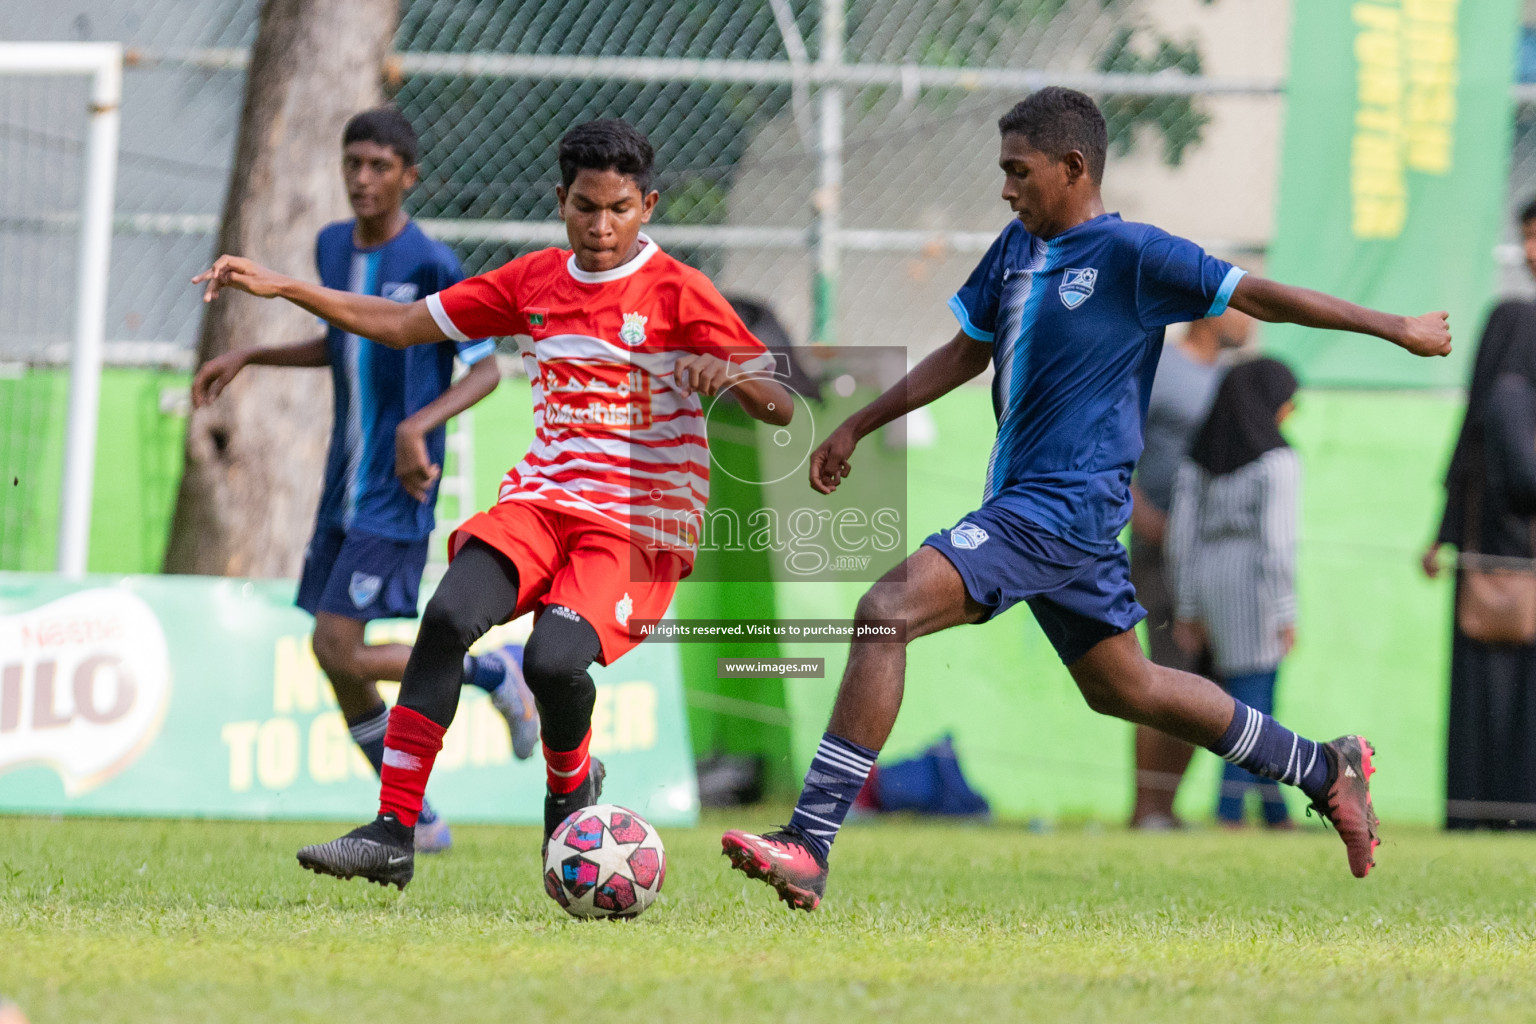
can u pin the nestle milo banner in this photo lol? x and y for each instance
(1394, 176)
(175, 696)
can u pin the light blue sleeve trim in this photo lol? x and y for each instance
(469, 355)
(958, 308)
(1224, 293)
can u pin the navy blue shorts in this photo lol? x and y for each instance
(1079, 598)
(361, 576)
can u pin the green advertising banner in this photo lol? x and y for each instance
(1395, 170)
(191, 696)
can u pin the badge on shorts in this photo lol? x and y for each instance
(363, 589)
(1076, 286)
(968, 536)
(622, 608)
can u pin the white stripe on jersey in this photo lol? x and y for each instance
(591, 467)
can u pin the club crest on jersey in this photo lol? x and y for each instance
(633, 331)
(968, 536)
(399, 292)
(622, 608)
(363, 589)
(1076, 286)
(537, 317)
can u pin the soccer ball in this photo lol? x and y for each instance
(604, 861)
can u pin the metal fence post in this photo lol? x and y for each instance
(829, 185)
(104, 63)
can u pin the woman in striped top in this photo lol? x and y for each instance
(1231, 551)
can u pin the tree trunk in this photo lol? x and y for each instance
(254, 458)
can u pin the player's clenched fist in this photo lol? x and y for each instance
(829, 462)
(1427, 335)
(239, 273)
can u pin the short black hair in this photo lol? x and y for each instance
(1528, 212)
(1056, 121)
(385, 126)
(607, 144)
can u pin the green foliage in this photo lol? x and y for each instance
(1178, 119)
(140, 921)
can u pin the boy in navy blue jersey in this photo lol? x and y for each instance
(1069, 306)
(366, 557)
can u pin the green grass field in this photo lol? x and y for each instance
(197, 921)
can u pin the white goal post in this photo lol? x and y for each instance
(103, 63)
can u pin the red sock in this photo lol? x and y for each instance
(567, 769)
(411, 744)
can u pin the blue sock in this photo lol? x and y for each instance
(1265, 747)
(1235, 783)
(368, 734)
(484, 671)
(838, 772)
(1275, 811)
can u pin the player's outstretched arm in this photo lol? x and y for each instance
(382, 320)
(214, 375)
(945, 369)
(1273, 302)
(413, 466)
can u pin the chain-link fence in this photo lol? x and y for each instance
(834, 158)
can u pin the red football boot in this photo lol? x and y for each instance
(1347, 803)
(783, 860)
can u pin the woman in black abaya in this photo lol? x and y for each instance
(1490, 777)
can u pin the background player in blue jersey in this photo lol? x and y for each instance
(1068, 306)
(366, 557)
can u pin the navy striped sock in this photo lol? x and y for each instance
(1265, 747)
(838, 772)
(368, 733)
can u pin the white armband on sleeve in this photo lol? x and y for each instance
(443, 321)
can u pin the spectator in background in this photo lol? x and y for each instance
(1231, 552)
(1187, 377)
(1490, 771)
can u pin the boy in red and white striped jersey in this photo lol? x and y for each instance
(598, 522)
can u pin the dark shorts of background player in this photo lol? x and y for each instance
(1078, 597)
(361, 576)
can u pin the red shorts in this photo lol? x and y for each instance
(592, 567)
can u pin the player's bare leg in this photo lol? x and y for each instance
(1116, 679)
(927, 595)
(353, 665)
(1161, 761)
